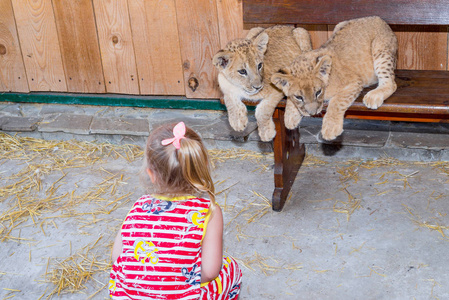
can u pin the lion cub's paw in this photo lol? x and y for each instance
(267, 133)
(373, 99)
(330, 130)
(292, 119)
(239, 123)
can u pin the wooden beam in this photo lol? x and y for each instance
(417, 12)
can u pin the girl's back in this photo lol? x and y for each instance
(161, 248)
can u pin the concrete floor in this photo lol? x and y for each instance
(351, 229)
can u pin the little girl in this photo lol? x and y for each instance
(170, 244)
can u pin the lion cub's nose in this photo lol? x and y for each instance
(312, 108)
(257, 87)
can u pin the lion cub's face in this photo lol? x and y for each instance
(241, 62)
(304, 82)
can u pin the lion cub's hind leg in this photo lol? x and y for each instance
(384, 57)
(253, 32)
(302, 38)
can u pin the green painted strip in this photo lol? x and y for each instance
(115, 100)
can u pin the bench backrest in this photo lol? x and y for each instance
(397, 12)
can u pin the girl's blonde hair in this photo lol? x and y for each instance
(179, 171)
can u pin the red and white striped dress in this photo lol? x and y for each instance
(161, 253)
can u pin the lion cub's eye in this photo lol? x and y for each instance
(299, 98)
(242, 72)
(259, 66)
(318, 93)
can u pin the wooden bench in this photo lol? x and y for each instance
(422, 96)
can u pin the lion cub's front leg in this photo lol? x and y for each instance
(292, 116)
(237, 112)
(333, 119)
(264, 116)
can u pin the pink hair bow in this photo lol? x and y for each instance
(178, 131)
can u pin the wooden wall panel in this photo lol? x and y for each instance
(422, 47)
(40, 46)
(116, 46)
(156, 45)
(79, 45)
(199, 40)
(229, 20)
(12, 71)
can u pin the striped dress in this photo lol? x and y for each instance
(161, 253)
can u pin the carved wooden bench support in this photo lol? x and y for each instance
(288, 156)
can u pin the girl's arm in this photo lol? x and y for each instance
(117, 248)
(212, 247)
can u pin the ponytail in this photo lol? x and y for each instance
(194, 162)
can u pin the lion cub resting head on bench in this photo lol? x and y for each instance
(360, 53)
(245, 68)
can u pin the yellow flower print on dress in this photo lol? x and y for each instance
(112, 285)
(197, 217)
(144, 250)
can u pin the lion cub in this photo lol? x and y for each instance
(360, 53)
(245, 68)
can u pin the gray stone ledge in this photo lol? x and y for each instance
(19, 123)
(118, 125)
(69, 123)
(122, 126)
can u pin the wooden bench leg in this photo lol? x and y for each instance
(288, 156)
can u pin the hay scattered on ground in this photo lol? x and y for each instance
(71, 274)
(262, 161)
(347, 207)
(434, 225)
(38, 196)
(313, 161)
(42, 159)
(267, 265)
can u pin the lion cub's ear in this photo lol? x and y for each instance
(323, 66)
(261, 42)
(222, 59)
(281, 80)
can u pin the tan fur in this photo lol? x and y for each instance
(360, 53)
(260, 54)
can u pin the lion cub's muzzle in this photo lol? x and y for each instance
(254, 89)
(309, 109)
(313, 108)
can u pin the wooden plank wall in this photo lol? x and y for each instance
(12, 71)
(147, 47)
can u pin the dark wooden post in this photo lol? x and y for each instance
(288, 156)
